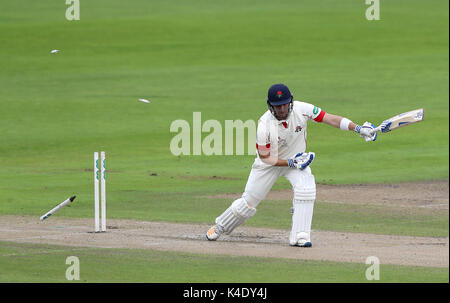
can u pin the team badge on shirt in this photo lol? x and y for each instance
(298, 129)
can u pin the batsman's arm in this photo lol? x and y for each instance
(338, 122)
(365, 130)
(267, 158)
(299, 161)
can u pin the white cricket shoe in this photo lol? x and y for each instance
(302, 240)
(214, 233)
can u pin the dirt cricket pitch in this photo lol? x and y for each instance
(262, 242)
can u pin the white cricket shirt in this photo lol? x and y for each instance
(285, 138)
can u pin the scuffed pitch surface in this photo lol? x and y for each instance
(432, 195)
(245, 241)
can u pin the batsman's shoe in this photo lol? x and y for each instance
(214, 233)
(305, 244)
(302, 240)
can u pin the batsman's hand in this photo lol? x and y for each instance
(301, 160)
(367, 132)
(385, 126)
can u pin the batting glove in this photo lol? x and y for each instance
(385, 126)
(366, 131)
(301, 160)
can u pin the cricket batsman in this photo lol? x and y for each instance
(281, 151)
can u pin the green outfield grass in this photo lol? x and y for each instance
(25, 262)
(217, 58)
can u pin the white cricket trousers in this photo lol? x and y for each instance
(260, 182)
(263, 177)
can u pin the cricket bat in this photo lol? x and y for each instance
(401, 120)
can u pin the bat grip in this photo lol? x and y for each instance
(376, 129)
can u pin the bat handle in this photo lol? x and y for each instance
(376, 129)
